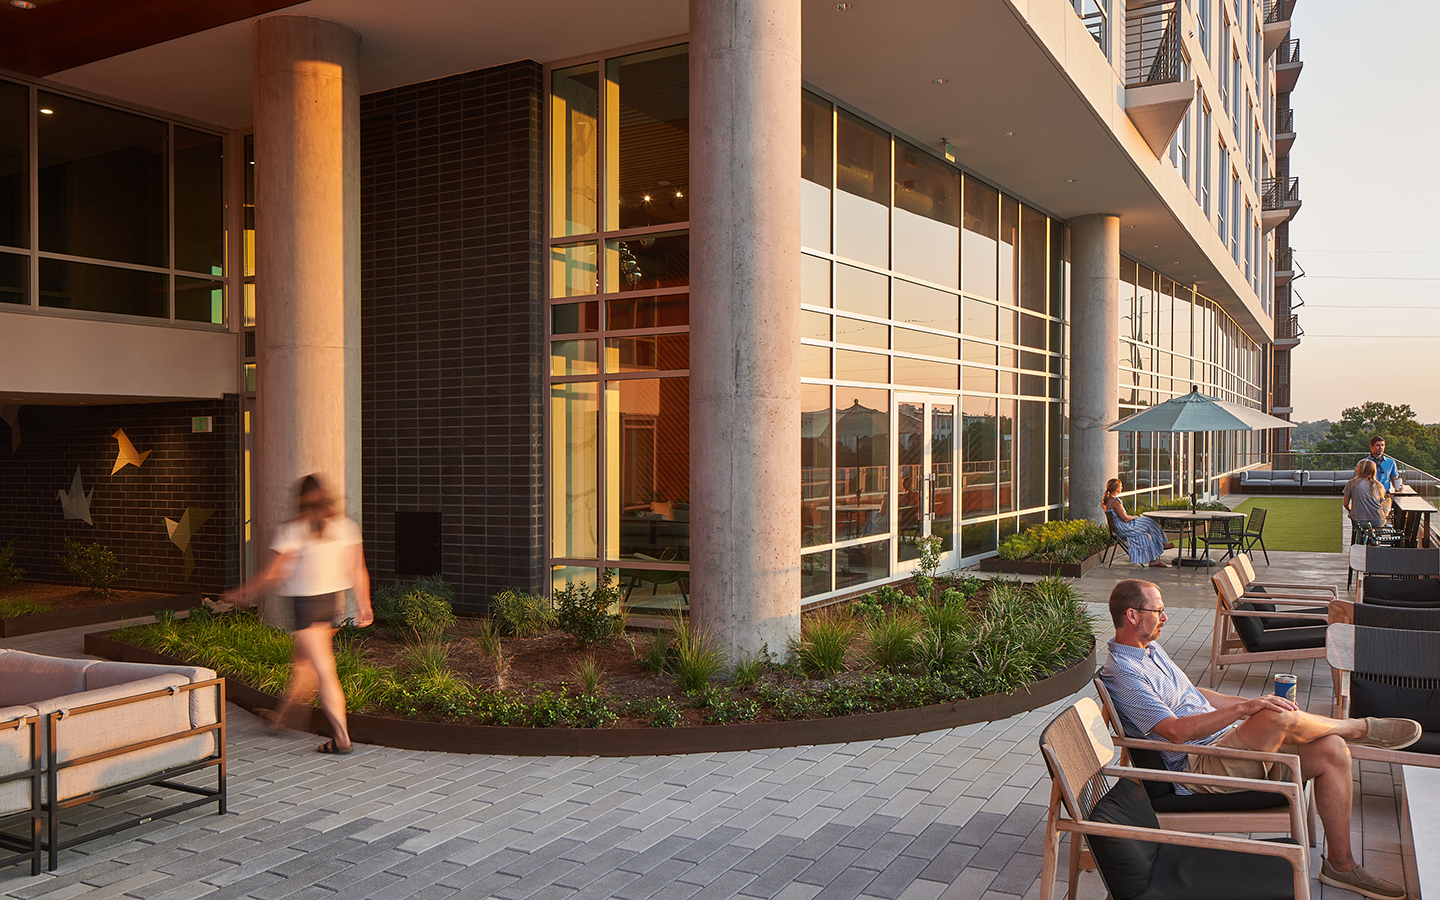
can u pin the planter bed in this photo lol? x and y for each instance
(508, 741)
(1038, 567)
(94, 615)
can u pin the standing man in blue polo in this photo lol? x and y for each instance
(1386, 471)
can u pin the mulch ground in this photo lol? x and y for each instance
(63, 597)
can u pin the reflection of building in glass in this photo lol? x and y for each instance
(509, 327)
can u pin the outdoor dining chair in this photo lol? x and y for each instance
(1137, 858)
(1228, 533)
(1239, 812)
(1254, 533)
(1117, 540)
(1245, 633)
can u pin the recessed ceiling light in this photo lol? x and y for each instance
(647, 198)
(663, 183)
(940, 81)
(1069, 181)
(22, 4)
(1155, 246)
(844, 7)
(1008, 133)
(45, 111)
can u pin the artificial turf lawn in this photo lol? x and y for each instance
(1299, 523)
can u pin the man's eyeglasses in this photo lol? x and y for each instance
(1158, 610)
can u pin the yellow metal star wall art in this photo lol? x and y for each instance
(128, 456)
(182, 531)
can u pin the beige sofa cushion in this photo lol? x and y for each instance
(202, 702)
(14, 757)
(80, 735)
(27, 677)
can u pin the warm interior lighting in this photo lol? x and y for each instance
(22, 4)
(46, 112)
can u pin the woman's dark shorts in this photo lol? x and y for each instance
(316, 610)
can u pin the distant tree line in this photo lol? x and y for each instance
(1405, 438)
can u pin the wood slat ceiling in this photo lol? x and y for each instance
(62, 34)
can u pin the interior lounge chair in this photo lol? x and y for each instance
(1242, 812)
(1245, 633)
(1136, 858)
(1389, 672)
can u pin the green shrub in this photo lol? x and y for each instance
(697, 657)
(10, 572)
(1060, 541)
(891, 641)
(750, 667)
(824, 641)
(95, 566)
(520, 614)
(585, 613)
(653, 654)
(427, 608)
(726, 711)
(658, 712)
(9, 609)
(588, 675)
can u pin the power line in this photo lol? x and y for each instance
(1371, 277)
(1364, 306)
(1403, 252)
(1393, 337)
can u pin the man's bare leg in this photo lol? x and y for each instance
(1324, 757)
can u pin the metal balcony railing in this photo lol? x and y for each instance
(1284, 121)
(1278, 10)
(1287, 328)
(1276, 192)
(1281, 395)
(1152, 43)
(1289, 52)
(1284, 259)
(1094, 14)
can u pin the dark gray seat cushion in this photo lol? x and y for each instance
(1257, 638)
(1372, 697)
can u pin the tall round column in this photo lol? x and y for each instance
(745, 321)
(1094, 360)
(307, 262)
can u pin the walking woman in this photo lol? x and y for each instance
(1364, 496)
(1143, 537)
(317, 556)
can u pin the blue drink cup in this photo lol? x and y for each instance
(1286, 686)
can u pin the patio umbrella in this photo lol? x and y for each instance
(1197, 412)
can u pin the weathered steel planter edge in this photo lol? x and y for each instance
(94, 615)
(405, 734)
(1035, 567)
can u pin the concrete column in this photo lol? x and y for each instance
(1094, 360)
(745, 321)
(307, 262)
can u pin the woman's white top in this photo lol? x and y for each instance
(324, 563)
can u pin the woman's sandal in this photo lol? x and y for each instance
(331, 747)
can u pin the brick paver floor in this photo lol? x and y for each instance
(954, 814)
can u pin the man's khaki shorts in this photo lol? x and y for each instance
(1236, 768)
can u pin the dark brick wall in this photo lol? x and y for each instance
(451, 324)
(129, 507)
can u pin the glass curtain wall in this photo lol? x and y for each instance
(619, 315)
(922, 288)
(1172, 338)
(129, 218)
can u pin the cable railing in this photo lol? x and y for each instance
(1152, 43)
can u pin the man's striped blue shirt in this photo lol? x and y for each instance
(1149, 688)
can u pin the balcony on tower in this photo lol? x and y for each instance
(1279, 201)
(1156, 98)
(1287, 66)
(1277, 24)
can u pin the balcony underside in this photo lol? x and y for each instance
(1276, 33)
(1156, 110)
(1270, 219)
(1286, 76)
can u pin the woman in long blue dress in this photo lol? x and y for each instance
(1143, 536)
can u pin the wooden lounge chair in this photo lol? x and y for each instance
(1242, 812)
(1135, 856)
(1251, 583)
(1389, 672)
(1246, 633)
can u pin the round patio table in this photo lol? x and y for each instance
(1191, 521)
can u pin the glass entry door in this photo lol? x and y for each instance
(925, 476)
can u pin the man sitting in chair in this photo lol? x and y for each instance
(1158, 702)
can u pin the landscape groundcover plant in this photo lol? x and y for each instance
(933, 640)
